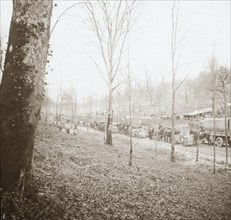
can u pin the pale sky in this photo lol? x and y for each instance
(207, 22)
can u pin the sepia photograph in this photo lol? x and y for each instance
(115, 109)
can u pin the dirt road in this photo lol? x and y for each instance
(185, 153)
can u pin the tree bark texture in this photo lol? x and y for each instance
(108, 140)
(173, 157)
(22, 88)
(108, 130)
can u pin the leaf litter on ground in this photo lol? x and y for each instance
(79, 177)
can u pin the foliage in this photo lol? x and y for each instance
(15, 206)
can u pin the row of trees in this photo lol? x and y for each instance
(192, 95)
(111, 24)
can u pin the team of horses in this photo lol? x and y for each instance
(160, 133)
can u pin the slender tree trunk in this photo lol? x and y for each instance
(56, 110)
(197, 144)
(130, 117)
(129, 99)
(109, 117)
(214, 130)
(75, 106)
(226, 129)
(22, 88)
(173, 158)
(130, 122)
(147, 88)
(156, 144)
(173, 60)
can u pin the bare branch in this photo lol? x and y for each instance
(119, 84)
(176, 27)
(97, 29)
(181, 83)
(220, 90)
(122, 46)
(58, 19)
(97, 66)
(119, 57)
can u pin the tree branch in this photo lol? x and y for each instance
(58, 19)
(181, 83)
(119, 84)
(97, 66)
(91, 11)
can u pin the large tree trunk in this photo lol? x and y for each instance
(22, 88)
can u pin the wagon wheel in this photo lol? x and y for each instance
(219, 141)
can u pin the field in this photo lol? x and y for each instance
(79, 177)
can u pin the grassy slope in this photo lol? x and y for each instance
(78, 177)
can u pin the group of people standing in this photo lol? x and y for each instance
(161, 133)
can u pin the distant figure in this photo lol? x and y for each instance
(150, 133)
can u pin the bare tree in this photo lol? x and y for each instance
(22, 88)
(214, 127)
(223, 81)
(129, 101)
(175, 12)
(212, 78)
(109, 21)
(176, 49)
(130, 116)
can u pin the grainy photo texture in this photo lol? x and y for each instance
(115, 109)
